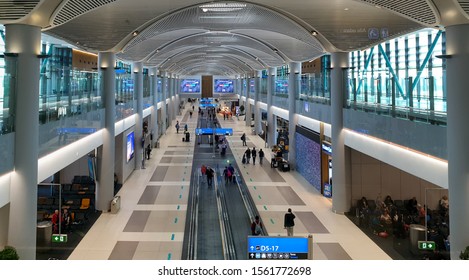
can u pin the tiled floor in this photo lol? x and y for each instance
(150, 224)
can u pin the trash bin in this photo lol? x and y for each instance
(417, 233)
(115, 204)
(44, 233)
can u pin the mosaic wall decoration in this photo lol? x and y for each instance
(308, 160)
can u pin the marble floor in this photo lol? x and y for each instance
(150, 223)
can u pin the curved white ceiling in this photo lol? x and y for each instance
(258, 33)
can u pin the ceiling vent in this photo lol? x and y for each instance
(14, 10)
(75, 8)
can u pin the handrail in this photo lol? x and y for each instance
(229, 251)
(249, 202)
(193, 222)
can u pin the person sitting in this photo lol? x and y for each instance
(386, 221)
(388, 201)
(412, 206)
(363, 209)
(444, 205)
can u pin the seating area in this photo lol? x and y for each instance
(393, 219)
(78, 197)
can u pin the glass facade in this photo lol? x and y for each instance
(7, 89)
(401, 77)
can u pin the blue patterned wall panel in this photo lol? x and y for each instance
(308, 160)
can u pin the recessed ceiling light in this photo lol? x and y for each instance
(314, 33)
(135, 33)
(346, 9)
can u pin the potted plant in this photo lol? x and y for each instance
(9, 253)
(464, 254)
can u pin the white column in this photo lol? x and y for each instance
(176, 95)
(293, 92)
(137, 69)
(24, 40)
(270, 116)
(164, 113)
(154, 110)
(248, 104)
(341, 192)
(257, 108)
(458, 136)
(106, 154)
(170, 97)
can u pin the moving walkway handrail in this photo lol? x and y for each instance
(192, 236)
(248, 201)
(229, 251)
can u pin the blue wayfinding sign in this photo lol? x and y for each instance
(270, 247)
(203, 131)
(209, 131)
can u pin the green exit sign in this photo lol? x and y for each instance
(59, 238)
(427, 245)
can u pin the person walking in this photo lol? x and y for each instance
(261, 156)
(203, 171)
(254, 155)
(289, 222)
(243, 138)
(248, 155)
(256, 226)
(177, 126)
(210, 174)
(190, 113)
(232, 171)
(185, 128)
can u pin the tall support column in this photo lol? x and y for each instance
(294, 80)
(248, 104)
(458, 136)
(154, 110)
(138, 80)
(106, 154)
(257, 108)
(341, 193)
(25, 40)
(270, 115)
(164, 113)
(176, 96)
(170, 97)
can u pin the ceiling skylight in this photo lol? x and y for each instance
(222, 7)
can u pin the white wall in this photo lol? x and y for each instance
(77, 168)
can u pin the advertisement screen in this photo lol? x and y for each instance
(190, 85)
(130, 146)
(224, 86)
(281, 86)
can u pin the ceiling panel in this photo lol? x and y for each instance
(14, 9)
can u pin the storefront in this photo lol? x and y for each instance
(326, 168)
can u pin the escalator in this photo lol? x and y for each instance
(218, 218)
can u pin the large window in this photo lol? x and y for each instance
(402, 78)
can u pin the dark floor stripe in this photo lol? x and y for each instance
(160, 173)
(149, 195)
(311, 222)
(334, 251)
(290, 196)
(123, 250)
(137, 221)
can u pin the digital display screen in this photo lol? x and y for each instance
(130, 146)
(252, 87)
(190, 85)
(224, 86)
(281, 86)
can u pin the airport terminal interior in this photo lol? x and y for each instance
(190, 130)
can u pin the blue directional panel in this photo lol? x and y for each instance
(280, 248)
